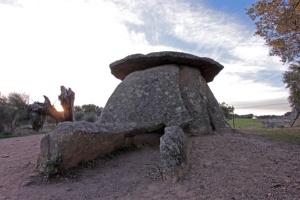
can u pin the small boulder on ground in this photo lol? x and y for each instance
(269, 124)
(72, 143)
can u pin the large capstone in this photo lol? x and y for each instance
(208, 67)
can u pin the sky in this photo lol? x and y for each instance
(48, 43)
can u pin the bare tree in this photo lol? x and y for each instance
(38, 111)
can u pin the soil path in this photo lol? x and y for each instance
(229, 166)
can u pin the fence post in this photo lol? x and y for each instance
(233, 117)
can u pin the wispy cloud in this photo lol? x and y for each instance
(82, 37)
(181, 20)
(249, 71)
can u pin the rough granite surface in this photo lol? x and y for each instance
(147, 100)
(78, 142)
(173, 153)
(160, 90)
(192, 87)
(168, 95)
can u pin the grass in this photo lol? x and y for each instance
(21, 134)
(26, 130)
(245, 123)
(287, 134)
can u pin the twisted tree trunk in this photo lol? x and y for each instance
(38, 111)
(66, 99)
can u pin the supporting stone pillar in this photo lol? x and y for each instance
(174, 153)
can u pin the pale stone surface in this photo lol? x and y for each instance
(208, 67)
(147, 100)
(173, 153)
(193, 88)
(168, 95)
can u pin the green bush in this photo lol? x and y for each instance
(13, 111)
(91, 117)
(52, 166)
(79, 116)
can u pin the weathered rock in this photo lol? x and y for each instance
(147, 100)
(164, 89)
(269, 124)
(208, 67)
(72, 143)
(200, 103)
(174, 153)
(168, 95)
(216, 116)
(193, 87)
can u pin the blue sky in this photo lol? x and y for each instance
(230, 6)
(48, 43)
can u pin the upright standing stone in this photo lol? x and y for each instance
(173, 153)
(192, 87)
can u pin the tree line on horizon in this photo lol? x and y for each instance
(87, 112)
(14, 112)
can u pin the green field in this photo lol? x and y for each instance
(287, 134)
(245, 123)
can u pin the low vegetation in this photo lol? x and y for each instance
(25, 132)
(13, 111)
(287, 134)
(52, 166)
(241, 123)
(16, 121)
(87, 112)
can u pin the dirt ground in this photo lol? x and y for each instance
(228, 166)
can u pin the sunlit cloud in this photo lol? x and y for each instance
(45, 44)
(249, 71)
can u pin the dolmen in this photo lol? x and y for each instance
(159, 91)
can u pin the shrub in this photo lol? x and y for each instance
(79, 116)
(13, 111)
(52, 166)
(91, 117)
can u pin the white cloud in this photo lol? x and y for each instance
(45, 44)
